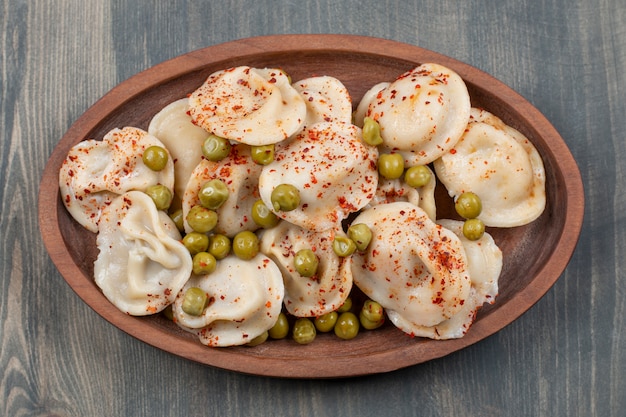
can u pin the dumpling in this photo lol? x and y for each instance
(245, 299)
(414, 268)
(368, 97)
(390, 191)
(183, 139)
(249, 105)
(501, 166)
(312, 296)
(240, 174)
(422, 114)
(95, 172)
(142, 265)
(326, 99)
(485, 264)
(334, 171)
(485, 261)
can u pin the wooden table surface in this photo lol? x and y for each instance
(565, 357)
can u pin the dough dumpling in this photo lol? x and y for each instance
(95, 172)
(332, 168)
(326, 99)
(142, 264)
(368, 97)
(485, 264)
(414, 268)
(422, 114)
(245, 299)
(312, 296)
(249, 105)
(501, 166)
(183, 139)
(240, 174)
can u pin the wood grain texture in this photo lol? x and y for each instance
(566, 356)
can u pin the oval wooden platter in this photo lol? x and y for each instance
(534, 255)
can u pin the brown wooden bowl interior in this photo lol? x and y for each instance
(534, 255)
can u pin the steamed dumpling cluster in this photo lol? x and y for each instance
(322, 156)
(143, 266)
(428, 276)
(430, 279)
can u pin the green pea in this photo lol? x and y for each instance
(417, 176)
(346, 306)
(195, 301)
(280, 329)
(343, 246)
(347, 326)
(168, 312)
(473, 229)
(303, 331)
(391, 165)
(372, 310)
(161, 195)
(326, 322)
(371, 132)
(368, 324)
(215, 148)
(468, 205)
(196, 242)
(219, 246)
(178, 219)
(245, 245)
(285, 197)
(263, 154)
(305, 261)
(204, 263)
(263, 216)
(258, 340)
(213, 194)
(155, 157)
(361, 235)
(201, 219)
(371, 315)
